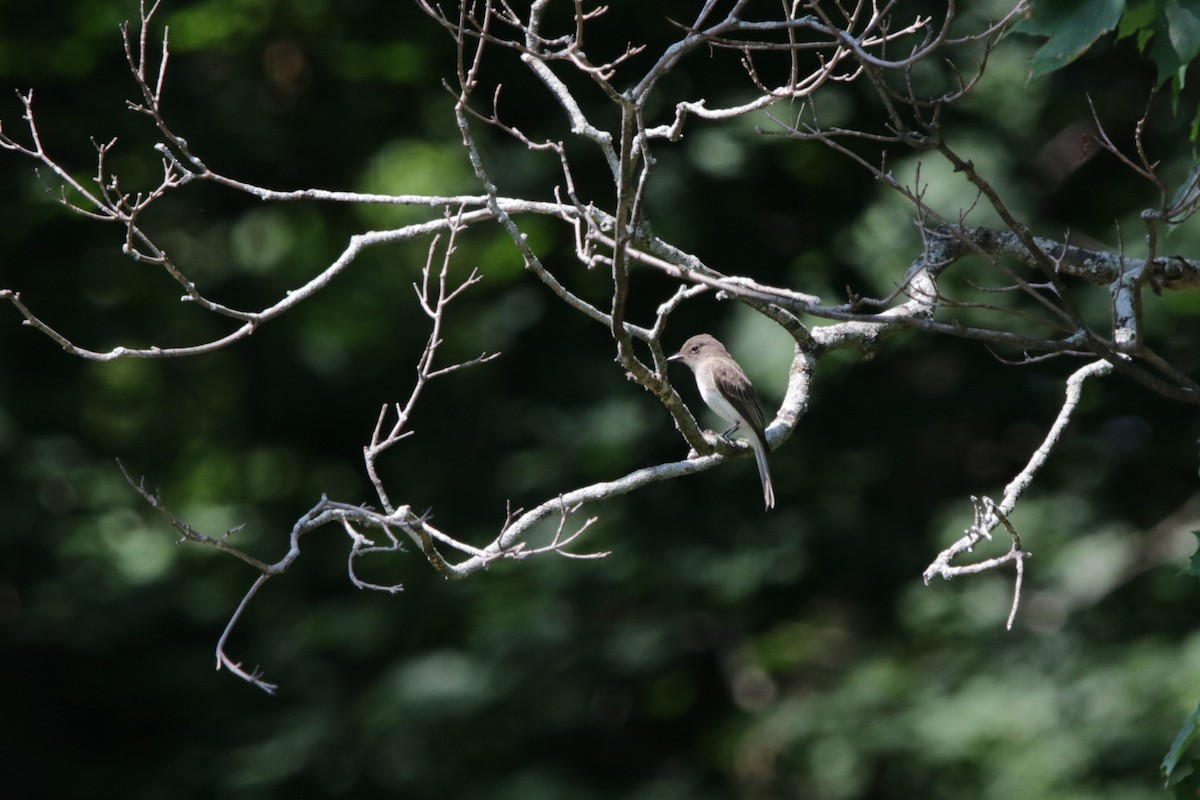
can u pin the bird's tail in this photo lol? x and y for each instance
(764, 473)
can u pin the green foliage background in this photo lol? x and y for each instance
(719, 651)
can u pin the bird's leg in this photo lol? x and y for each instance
(727, 434)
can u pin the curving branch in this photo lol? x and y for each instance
(989, 514)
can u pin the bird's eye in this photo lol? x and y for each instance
(695, 348)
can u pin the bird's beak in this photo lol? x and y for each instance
(675, 357)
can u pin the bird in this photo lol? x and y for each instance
(725, 388)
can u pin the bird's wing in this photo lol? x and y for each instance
(736, 387)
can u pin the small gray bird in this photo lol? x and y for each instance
(727, 391)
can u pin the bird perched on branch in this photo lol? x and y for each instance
(725, 388)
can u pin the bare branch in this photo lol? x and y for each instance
(988, 514)
(1019, 293)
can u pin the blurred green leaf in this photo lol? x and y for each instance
(1179, 777)
(1070, 26)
